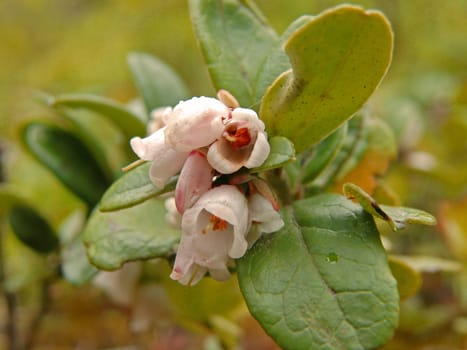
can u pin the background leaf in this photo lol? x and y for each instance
(68, 158)
(139, 232)
(32, 229)
(158, 84)
(338, 59)
(322, 279)
(128, 122)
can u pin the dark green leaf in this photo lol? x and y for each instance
(139, 232)
(158, 84)
(131, 189)
(323, 280)
(32, 229)
(338, 59)
(128, 122)
(282, 152)
(68, 158)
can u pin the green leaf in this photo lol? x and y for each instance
(323, 154)
(139, 232)
(158, 84)
(396, 217)
(282, 152)
(408, 279)
(68, 158)
(338, 59)
(131, 189)
(242, 52)
(9, 198)
(76, 267)
(32, 229)
(323, 280)
(128, 122)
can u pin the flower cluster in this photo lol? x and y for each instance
(223, 210)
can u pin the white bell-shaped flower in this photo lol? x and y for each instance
(243, 143)
(166, 162)
(195, 123)
(214, 231)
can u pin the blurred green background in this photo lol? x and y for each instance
(62, 46)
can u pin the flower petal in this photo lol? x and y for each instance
(194, 180)
(260, 151)
(195, 123)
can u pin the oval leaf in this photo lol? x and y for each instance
(129, 123)
(242, 52)
(338, 59)
(131, 189)
(322, 279)
(139, 232)
(158, 84)
(282, 152)
(68, 158)
(32, 229)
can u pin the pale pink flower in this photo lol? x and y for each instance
(263, 217)
(214, 231)
(195, 179)
(166, 162)
(243, 143)
(195, 123)
(158, 119)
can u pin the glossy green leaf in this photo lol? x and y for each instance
(131, 189)
(68, 158)
(242, 52)
(408, 279)
(76, 267)
(323, 154)
(128, 122)
(158, 84)
(396, 217)
(282, 152)
(139, 232)
(323, 280)
(338, 59)
(32, 229)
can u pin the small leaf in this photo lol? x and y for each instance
(9, 198)
(131, 189)
(68, 158)
(129, 123)
(242, 52)
(323, 154)
(396, 217)
(322, 279)
(158, 84)
(408, 279)
(282, 152)
(338, 59)
(76, 268)
(32, 229)
(139, 232)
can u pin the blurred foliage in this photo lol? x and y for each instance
(81, 46)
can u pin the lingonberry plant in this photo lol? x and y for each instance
(252, 182)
